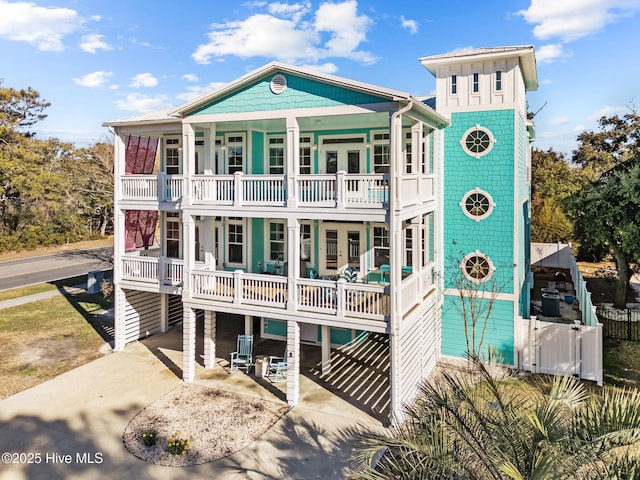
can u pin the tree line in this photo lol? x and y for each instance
(50, 191)
(592, 198)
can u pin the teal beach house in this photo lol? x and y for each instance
(319, 210)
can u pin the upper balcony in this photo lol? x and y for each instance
(325, 191)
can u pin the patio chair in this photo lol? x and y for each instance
(277, 368)
(242, 358)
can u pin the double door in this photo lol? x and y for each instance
(341, 246)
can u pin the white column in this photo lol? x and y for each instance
(188, 247)
(188, 160)
(293, 261)
(188, 344)
(164, 312)
(293, 160)
(209, 150)
(248, 325)
(326, 349)
(119, 309)
(208, 241)
(416, 148)
(293, 363)
(209, 339)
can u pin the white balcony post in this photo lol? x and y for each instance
(341, 189)
(119, 307)
(120, 161)
(208, 165)
(326, 350)
(164, 312)
(188, 159)
(293, 160)
(119, 236)
(238, 188)
(237, 286)
(188, 344)
(209, 339)
(293, 259)
(208, 240)
(189, 233)
(293, 362)
(416, 155)
(341, 297)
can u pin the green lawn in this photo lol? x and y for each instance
(43, 339)
(41, 287)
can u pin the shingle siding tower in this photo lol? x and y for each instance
(486, 185)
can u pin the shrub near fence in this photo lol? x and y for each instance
(622, 324)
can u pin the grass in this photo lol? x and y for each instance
(43, 339)
(41, 287)
(621, 363)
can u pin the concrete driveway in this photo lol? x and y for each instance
(71, 427)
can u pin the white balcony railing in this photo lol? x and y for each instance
(148, 269)
(339, 190)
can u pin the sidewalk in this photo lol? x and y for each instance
(76, 420)
(40, 296)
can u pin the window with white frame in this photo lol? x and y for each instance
(276, 155)
(408, 246)
(305, 155)
(380, 246)
(454, 84)
(477, 141)
(172, 156)
(426, 151)
(407, 152)
(475, 84)
(235, 152)
(276, 241)
(305, 242)
(477, 204)
(235, 237)
(381, 152)
(172, 228)
(498, 80)
(477, 267)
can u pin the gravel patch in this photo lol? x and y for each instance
(217, 424)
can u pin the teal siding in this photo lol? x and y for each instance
(257, 154)
(275, 327)
(257, 243)
(493, 173)
(498, 335)
(300, 93)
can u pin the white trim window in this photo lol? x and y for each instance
(475, 83)
(380, 246)
(408, 247)
(453, 84)
(477, 141)
(172, 229)
(276, 155)
(172, 155)
(305, 155)
(276, 246)
(407, 151)
(236, 152)
(477, 267)
(306, 242)
(477, 204)
(380, 152)
(498, 83)
(235, 241)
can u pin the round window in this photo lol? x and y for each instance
(477, 267)
(477, 204)
(477, 141)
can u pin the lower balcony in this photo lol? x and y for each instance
(329, 297)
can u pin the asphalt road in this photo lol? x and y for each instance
(48, 268)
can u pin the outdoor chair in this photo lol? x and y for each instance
(277, 368)
(242, 358)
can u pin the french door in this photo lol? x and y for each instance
(341, 246)
(342, 154)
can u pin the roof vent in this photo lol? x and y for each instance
(278, 84)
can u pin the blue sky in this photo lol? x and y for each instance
(97, 61)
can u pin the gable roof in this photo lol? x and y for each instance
(176, 113)
(525, 54)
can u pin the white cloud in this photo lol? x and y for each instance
(559, 121)
(40, 26)
(327, 67)
(94, 42)
(93, 80)
(549, 53)
(573, 19)
(137, 102)
(194, 92)
(144, 80)
(190, 77)
(607, 111)
(292, 33)
(545, 81)
(412, 25)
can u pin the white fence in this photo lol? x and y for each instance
(561, 349)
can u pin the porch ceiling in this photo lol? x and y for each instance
(308, 124)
